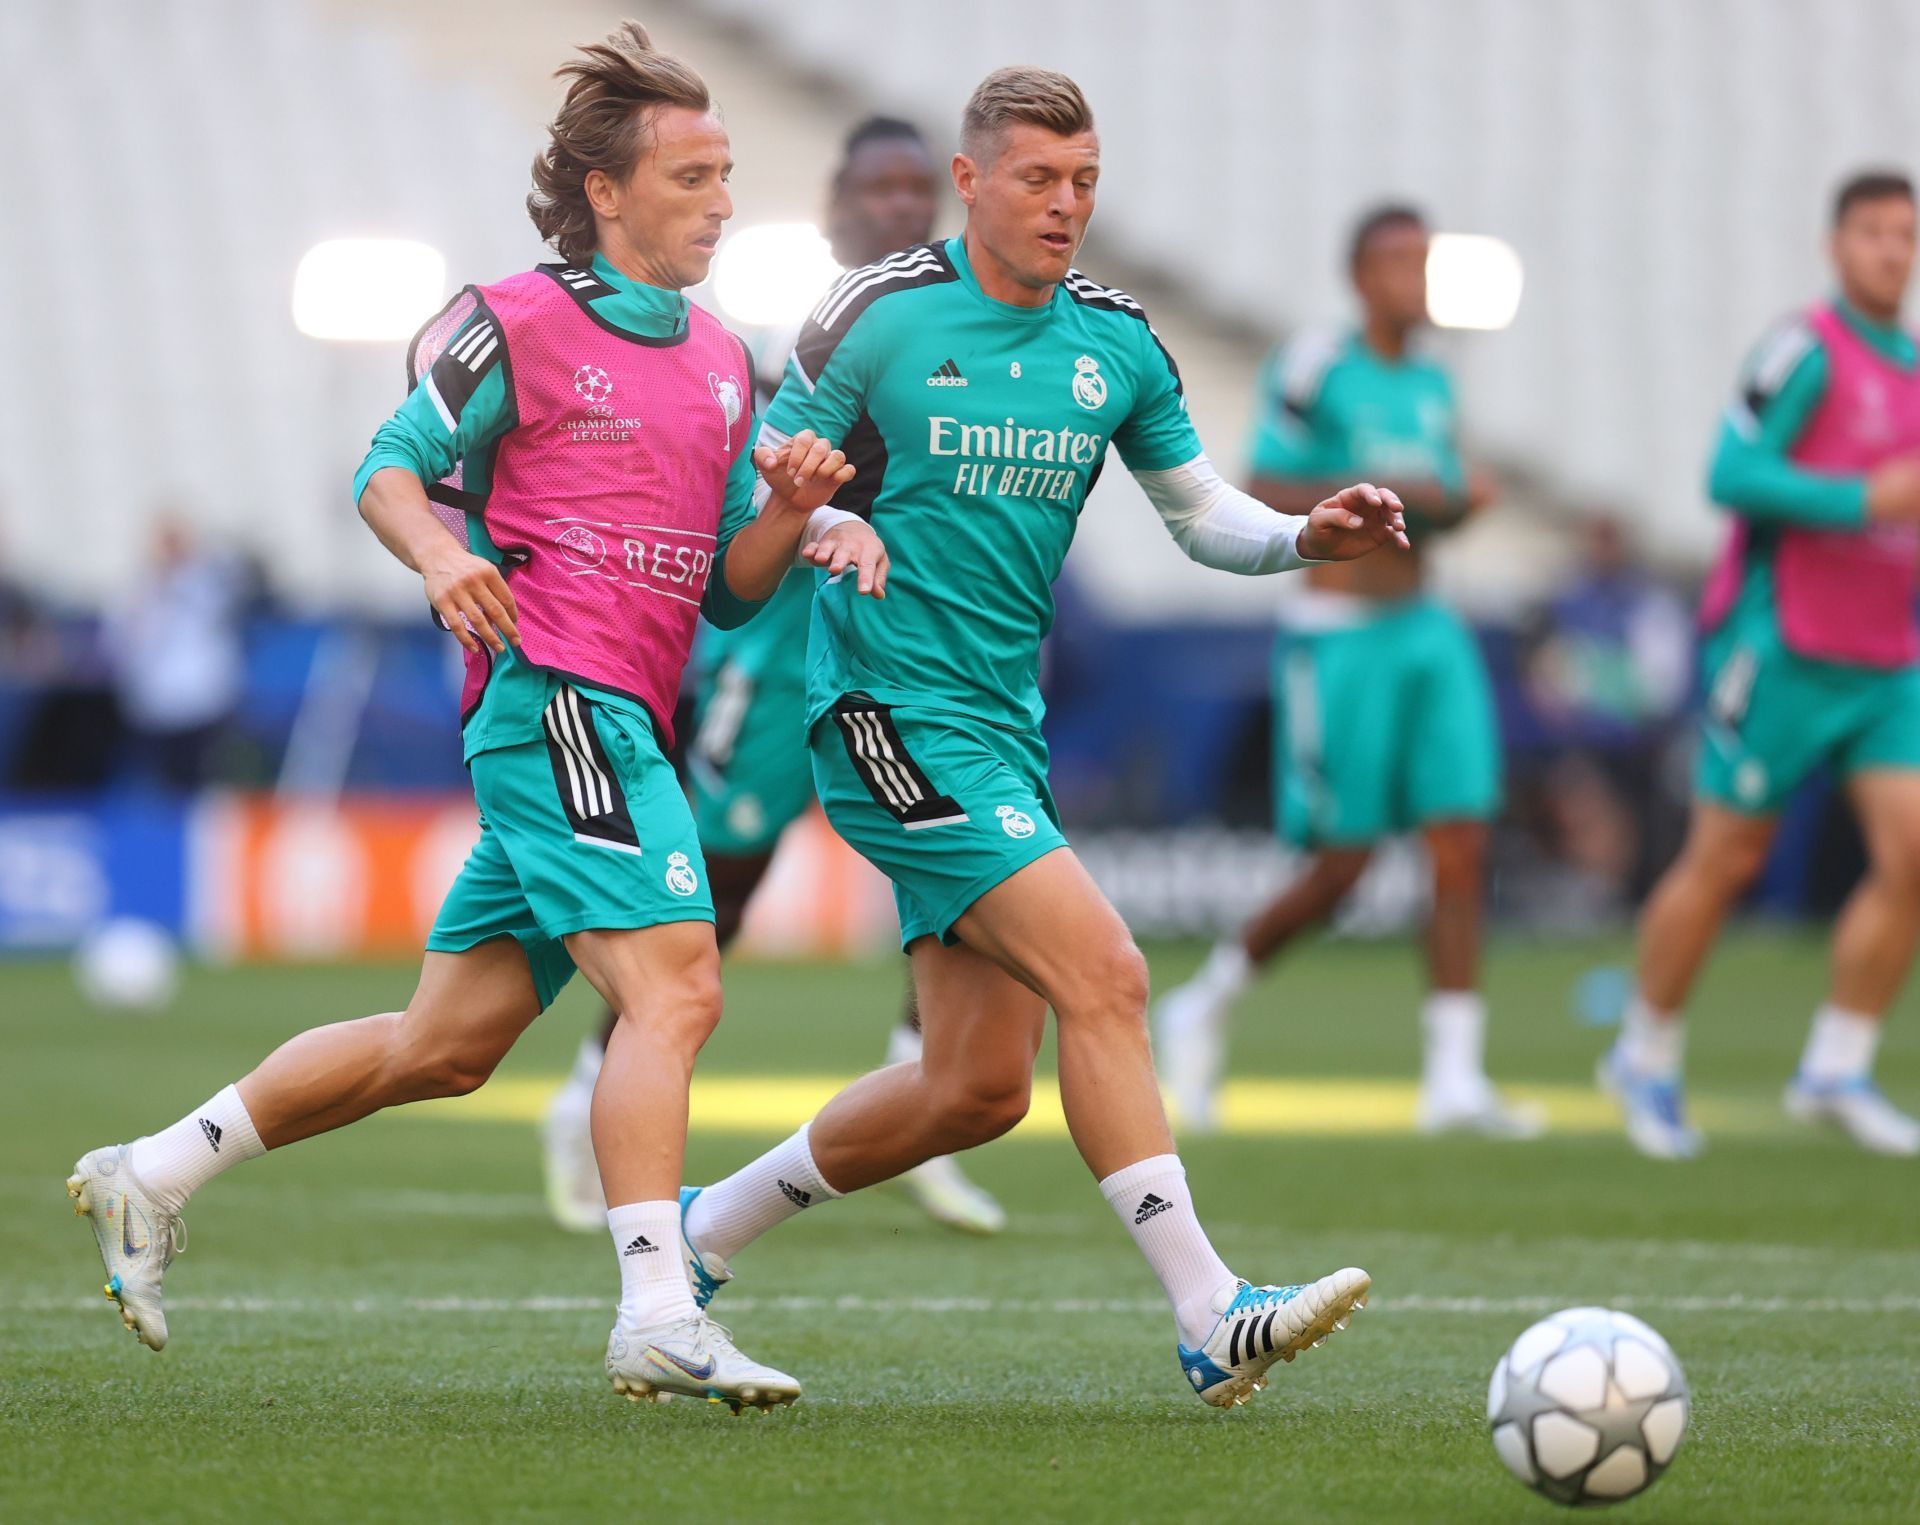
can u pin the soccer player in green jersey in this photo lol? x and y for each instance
(1810, 662)
(978, 383)
(1383, 718)
(747, 757)
(587, 855)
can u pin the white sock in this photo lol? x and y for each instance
(653, 1282)
(586, 1062)
(1225, 973)
(729, 1215)
(1653, 1041)
(1153, 1202)
(904, 1044)
(1454, 1025)
(176, 1162)
(1841, 1044)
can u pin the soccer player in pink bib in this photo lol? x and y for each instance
(1813, 659)
(570, 475)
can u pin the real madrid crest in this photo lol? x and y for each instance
(1089, 386)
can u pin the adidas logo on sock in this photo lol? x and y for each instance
(213, 1133)
(946, 374)
(1149, 1205)
(641, 1245)
(795, 1195)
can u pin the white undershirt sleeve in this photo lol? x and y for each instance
(1219, 526)
(819, 521)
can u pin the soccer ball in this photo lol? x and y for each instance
(126, 965)
(1588, 1406)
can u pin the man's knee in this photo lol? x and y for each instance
(1458, 853)
(685, 1009)
(977, 1107)
(1107, 985)
(1335, 871)
(425, 1066)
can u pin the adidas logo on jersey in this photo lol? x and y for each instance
(641, 1245)
(213, 1133)
(946, 374)
(1149, 1205)
(795, 1195)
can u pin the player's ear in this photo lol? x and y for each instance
(602, 195)
(965, 177)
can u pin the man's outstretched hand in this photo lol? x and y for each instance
(1351, 523)
(805, 472)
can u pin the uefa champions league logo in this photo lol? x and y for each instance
(593, 384)
(1016, 823)
(680, 876)
(726, 392)
(1089, 386)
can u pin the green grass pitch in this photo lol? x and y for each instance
(381, 1325)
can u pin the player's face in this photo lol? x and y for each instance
(885, 201)
(667, 215)
(1873, 250)
(1030, 205)
(1391, 275)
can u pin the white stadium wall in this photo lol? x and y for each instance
(1662, 167)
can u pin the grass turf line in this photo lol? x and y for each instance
(345, 1397)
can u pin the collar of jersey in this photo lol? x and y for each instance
(1889, 341)
(957, 256)
(649, 312)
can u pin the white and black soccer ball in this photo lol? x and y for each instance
(1588, 1407)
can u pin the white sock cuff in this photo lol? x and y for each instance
(904, 1044)
(1454, 1006)
(1641, 1012)
(632, 1214)
(229, 1113)
(587, 1061)
(1227, 968)
(1123, 1183)
(802, 1159)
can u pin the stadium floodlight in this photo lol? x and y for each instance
(1473, 281)
(770, 275)
(367, 289)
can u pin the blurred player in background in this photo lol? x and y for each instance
(590, 550)
(979, 382)
(1812, 660)
(748, 755)
(1383, 717)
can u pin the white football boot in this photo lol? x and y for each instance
(694, 1358)
(572, 1173)
(1857, 1105)
(137, 1237)
(1260, 1325)
(1653, 1107)
(944, 1194)
(1476, 1106)
(1190, 1042)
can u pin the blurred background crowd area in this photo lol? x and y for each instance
(206, 660)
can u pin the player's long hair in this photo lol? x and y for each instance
(613, 88)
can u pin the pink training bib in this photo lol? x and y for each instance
(606, 495)
(1843, 595)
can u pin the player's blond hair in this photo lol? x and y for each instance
(1039, 97)
(614, 87)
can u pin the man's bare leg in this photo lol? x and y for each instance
(1191, 1020)
(1455, 1093)
(1047, 932)
(1873, 947)
(1723, 853)
(465, 1014)
(572, 1174)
